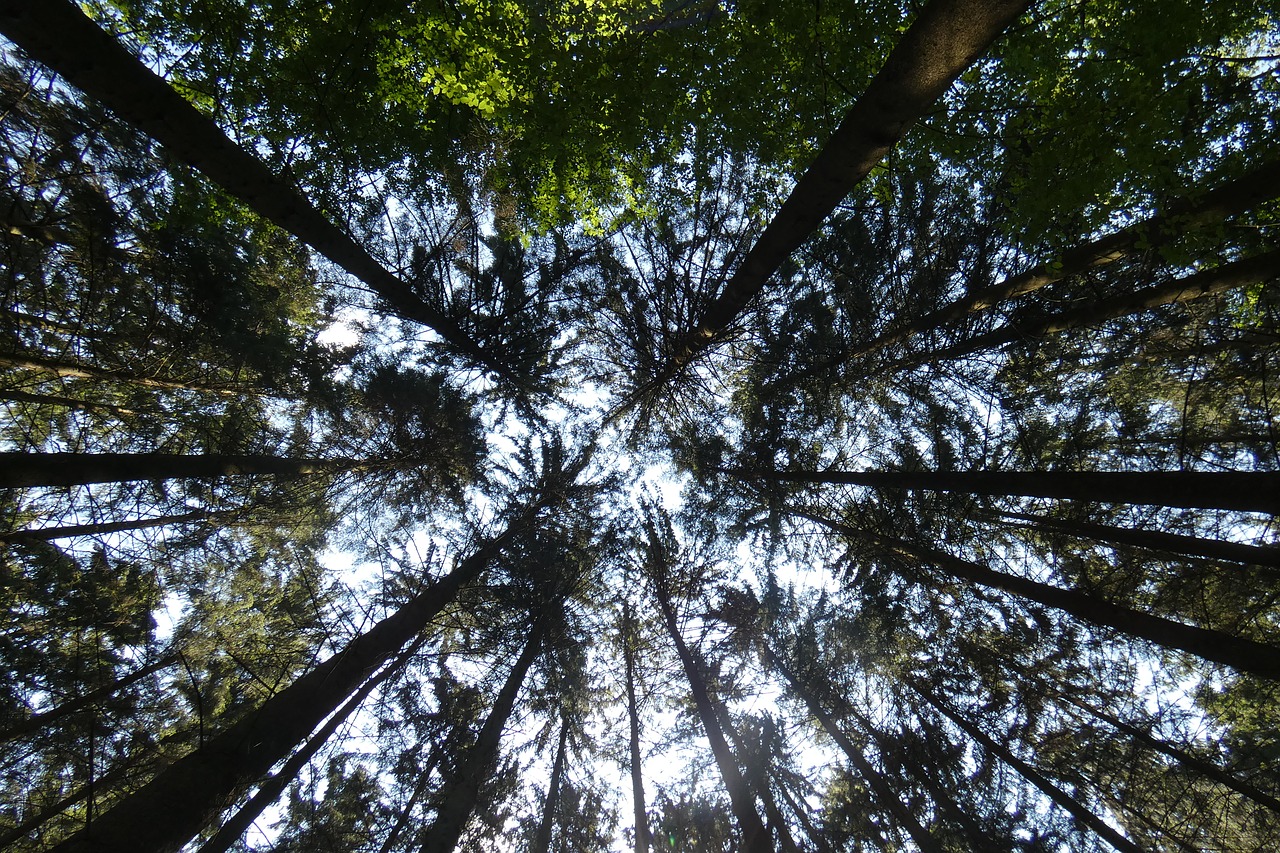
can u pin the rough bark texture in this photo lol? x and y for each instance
(183, 799)
(459, 801)
(945, 39)
(755, 838)
(1156, 540)
(24, 470)
(59, 35)
(1244, 491)
(1244, 655)
(1060, 797)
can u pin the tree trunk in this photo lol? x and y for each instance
(180, 801)
(406, 813)
(759, 780)
(68, 370)
(46, 534)
(1244, 655)
(1186, 213)
(542, 843)
(1243, 491)
(1200, 765)
(72, 706)
(1060, 797)
(25, 470)
(884, 792)
(1258, 269)
(67, 402)
(271, 789)
(1156, 540)
(945, 39)
(58, 34)
(755, 838)
(462, 791)
(641, 814)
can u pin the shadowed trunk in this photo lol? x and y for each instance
(480, 762)
(542, 843)
(66, 402)
(755, 838)
(1191, 211)
(58, 34)
(271, 789)
(1060, 797)
(1244, 655)
(25, 470)
(68, 370)
(183, 799)
(946, 37)
(880, 786)
(640, 814)
(46, 534)
(1243, 491)
(1156, 540)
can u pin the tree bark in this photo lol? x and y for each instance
(1060, 797)
(1183, 214)
(1243, 491)
(72, 706)
(945, 39)
(640, 813)
(542, 843)
(70, 370)
(755, 838)
(25, 470)
(1258, 269)
(776, 823)
(271, 789)
(58, 34)
(46, 534)
(462, 791)
(1199, 765)
(1156, 540)
(179, 802)
(1244, 655)
(884, 792)
(67, 402)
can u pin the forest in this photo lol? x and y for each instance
(639, 425)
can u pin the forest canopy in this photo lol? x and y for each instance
(599, 425)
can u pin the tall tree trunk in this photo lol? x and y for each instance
(73, 706)
(1258, 269)
(759, 781)
(1243, 491)
(1189, 212)
(46, 534)
(69, 370)
(1060, 797)
(945, 39)
(542, 843)
(271, 789)
(640, 813)
(24, 470)
(406, 814)
(755, 838)
(1156, 540)
(58, 34)
(880, 786)
(1244, 655)
(66, 402)
(462, 791)
(1199, 765)
(179, 802)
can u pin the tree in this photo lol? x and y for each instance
(858, 422)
